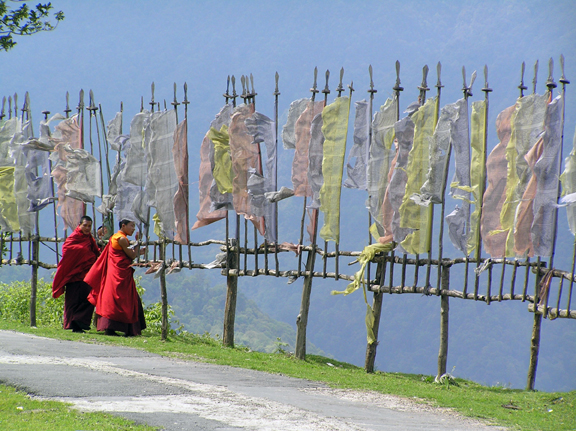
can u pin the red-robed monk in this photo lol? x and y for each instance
(79, 253)
(114, 294)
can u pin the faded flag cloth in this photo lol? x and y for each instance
(413, 216)
(82, 174)
(496, 167)
(162, 182)
(568, 179)
(288, 131)
(27, 220)
(404, 130)
(360, 149)
(301, 160)
(527, 124)
(215, 172)
(8, 209)
(180, 155)
(315, 156)
(547, 170)
(244, 156)
(136, 168)
(37, 170)
(262, 130)
(335, 129)
(459, 219)
(477, 170)
(382, 152)
(451, 123)
(67, 133)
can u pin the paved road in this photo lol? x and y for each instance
(178, 395)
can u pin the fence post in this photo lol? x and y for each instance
(535, 339)
(377, 310)
(444, 312)
(163, 292)
(231, 294)
(302, 319)
(34, 280)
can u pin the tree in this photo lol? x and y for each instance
(25, 21)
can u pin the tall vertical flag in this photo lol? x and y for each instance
(180, 201)
(494, 239)
(477, 169)
(568, 179)
(413, 216)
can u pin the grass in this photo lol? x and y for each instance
(525, 410)
(19, 412)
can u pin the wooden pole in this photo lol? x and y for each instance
(444, 311)
(34, 280)
(232, 262)
(231, 294)
(163, 291)
(377, 311)
(302, 319)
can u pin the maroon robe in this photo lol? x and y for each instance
(114, 292)
(79, 253)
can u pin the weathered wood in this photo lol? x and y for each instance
(302, 319)
(231, 295)
(34, 279)
(444, 314)
(377, 310)
(163, 293)
(535, 339)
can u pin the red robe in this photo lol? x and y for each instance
(113, 288)
(79, 253)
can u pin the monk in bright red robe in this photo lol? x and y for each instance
(114, 294)
(79, 253)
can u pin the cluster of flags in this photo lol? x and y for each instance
(505, 200)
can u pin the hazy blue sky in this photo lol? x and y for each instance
(117, 48)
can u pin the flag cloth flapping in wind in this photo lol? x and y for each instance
(446, 131)
(288, 131)
(214, 169)
(477, 169)
(37, 169)
(67, 133)
(357, 172)
(335, 128)
(8, 208)
(527, 124)
(404, 130)
(315, 156)
(459, 219)
(382, 152)
(162, 182)
(547, 171)
(180, 202)
(413, 216)
(302, 135)
(262, 130)
(26, 220)
(494, 239)
(568, 179)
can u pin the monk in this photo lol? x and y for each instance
(114, 294)
(79, 253)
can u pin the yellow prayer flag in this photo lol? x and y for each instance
(222, 173)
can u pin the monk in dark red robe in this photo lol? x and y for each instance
(114, 294)
(79, 253)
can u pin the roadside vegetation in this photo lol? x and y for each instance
(515, 409)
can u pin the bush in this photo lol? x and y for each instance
(15, 303)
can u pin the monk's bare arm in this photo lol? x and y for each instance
(125, 244)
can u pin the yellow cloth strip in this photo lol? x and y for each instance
(412, 215)
(222, 173)
(8, 207)
(335, 129)
(477, 169)
(359, 281)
